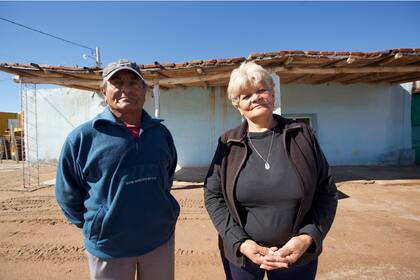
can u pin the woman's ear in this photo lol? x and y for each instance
(237, 108)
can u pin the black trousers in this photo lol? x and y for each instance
(252, 271)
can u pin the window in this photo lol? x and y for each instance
(309, 119)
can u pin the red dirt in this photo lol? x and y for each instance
(376, 234)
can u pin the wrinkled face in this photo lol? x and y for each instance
(124, 92)
(256, 102)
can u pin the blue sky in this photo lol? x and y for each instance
(180, 31)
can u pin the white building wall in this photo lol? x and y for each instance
(355, 124)
(196, 118)
(59, 111)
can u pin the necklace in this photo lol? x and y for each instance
(266, 165)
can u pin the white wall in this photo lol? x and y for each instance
(59, 111)
(356, 124)
(196, 118)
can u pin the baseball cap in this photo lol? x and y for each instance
(122, 64)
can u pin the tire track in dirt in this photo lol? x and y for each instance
(183, 219)
(28, 203)
(33, 221)
(192, 210)
(191, 257)
(31, 210)
(57, 253)
(191, 203)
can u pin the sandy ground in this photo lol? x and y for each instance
(376, 234)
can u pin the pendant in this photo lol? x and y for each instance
(267, 166)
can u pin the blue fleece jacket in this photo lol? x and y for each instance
(118, 188)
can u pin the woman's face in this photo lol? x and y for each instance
(256, 102)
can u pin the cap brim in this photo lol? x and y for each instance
(110, 74)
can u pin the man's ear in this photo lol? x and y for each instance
(103, 93)
(102, 90)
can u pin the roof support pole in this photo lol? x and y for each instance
(156, 96)
(277, 94)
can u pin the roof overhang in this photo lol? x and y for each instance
(293, 67)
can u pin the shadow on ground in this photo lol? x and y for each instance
(340, 173)
(350, 173)
(175, 187)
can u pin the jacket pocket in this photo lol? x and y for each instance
(141, 213)
(95, 227)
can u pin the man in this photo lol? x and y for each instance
(113, 180)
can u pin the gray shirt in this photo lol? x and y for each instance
(269, 199)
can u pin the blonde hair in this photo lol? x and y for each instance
(247, 74)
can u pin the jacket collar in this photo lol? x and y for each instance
(239, 134)
(107, 117)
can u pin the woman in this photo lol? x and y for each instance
(268, 191)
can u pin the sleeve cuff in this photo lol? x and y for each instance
(311, 230)
(238, 236)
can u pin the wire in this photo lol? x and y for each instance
(53, 36)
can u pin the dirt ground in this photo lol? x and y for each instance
(376, 233)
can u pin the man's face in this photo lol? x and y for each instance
(125, 92)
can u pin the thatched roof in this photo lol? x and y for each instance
(293, 67)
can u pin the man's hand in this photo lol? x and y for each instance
(288, 254)
(253, 251)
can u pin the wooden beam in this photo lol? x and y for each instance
(295, 70)
(346, 70)
(406, 79)
(58, 81)
(343, 78)
(21, 72)
(289, 60)
(327, 79)
(158, 75)
(375, 78)
(352, 73)
(289, 79)
(84, 87)
(331, 63)
(297, 79)
(196, 79)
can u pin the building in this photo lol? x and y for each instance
(358, 103)
(8, 121)
(10, 135)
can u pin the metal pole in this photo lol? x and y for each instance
(36, 138)
(98, 58)
(156, 96)
(24, 108)
(277, 94)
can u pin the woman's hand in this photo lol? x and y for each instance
(253, 251)
(288, 254)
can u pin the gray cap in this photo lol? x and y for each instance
(122, 64)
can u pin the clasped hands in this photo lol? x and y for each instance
(270, 258)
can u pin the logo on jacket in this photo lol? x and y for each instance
(139, 180)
